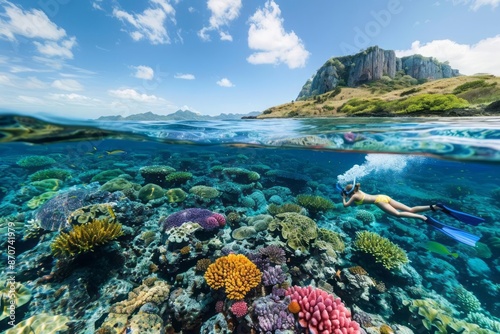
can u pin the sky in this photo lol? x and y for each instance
(88, 58)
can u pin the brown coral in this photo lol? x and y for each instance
(235, 273)
(151, 291)
(357, 270)
(202, 264)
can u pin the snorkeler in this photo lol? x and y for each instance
(398, 209)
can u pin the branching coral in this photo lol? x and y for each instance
(235, 273)
(84, 238)
(382, 249)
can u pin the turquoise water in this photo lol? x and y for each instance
(274, 184)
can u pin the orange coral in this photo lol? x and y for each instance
(294, 307)
(234, 272)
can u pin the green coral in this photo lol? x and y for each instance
(35, 161)
(298, 230)
(36, 201)
(119, 184)
(20, 294)
(332, 238)
(275, 209)
(382, 249)
(435, 318)
(178, 178)
(204, 192)
(47, 185)
(85, 238)
(176, 195)
(52, 173)
(41, 323)
(106, 175)
(241, 175)
(466, 300)
(365, 216)
(315, 204)
(150, 192)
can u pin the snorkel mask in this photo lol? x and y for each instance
(342, 189)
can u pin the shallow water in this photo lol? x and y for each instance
(254, 166)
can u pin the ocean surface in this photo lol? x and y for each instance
(239, 226)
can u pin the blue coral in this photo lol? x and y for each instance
(273, 275)
(273, 315)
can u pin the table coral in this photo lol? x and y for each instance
(321, 312)
(235, 273)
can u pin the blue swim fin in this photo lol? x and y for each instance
(455, 233)
(462, 216)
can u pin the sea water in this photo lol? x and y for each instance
(57, 175)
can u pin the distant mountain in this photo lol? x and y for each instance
(179, 115)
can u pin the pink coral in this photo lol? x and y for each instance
(239, 308)
(322, 313)
(219, 306)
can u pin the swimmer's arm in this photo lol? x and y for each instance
(349, 202)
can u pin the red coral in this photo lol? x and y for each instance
(322, 313)
(239, 308)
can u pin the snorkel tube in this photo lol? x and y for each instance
(342, 189)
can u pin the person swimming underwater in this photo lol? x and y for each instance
(384, 202)
(352, 194)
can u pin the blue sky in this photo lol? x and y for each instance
(86, 58)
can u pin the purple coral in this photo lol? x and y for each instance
(273, 275)
(207, 219)
(272, 315)
(275, 254)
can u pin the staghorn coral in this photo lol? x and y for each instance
(382, 249)
(84, 238)
(296, 229)
(235, 273)
(315, 204)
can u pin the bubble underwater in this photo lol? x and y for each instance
(238, 226)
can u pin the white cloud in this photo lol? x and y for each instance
(30, 24)
(132, 94)
(72, 98)
(144, 72)
(185, 76)
(56, 49)
(476, 4)
(5, 80)
(150, 24)
(31, 99)
(67, 84)
(273, 44)
(35, 83)
(223, 12)
(481, 57)
(224, 82)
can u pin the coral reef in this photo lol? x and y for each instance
(207, 219)
(176, 195)
(315, 204)
(35, 162)
(235, 273)
(52, 173)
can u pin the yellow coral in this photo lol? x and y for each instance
(84, 238)
(234, 272)
(151, 291)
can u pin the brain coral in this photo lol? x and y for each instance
(382, 249)
(296, 229)
(235, 273)
(321, 312)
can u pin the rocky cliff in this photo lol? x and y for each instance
(373, 64)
